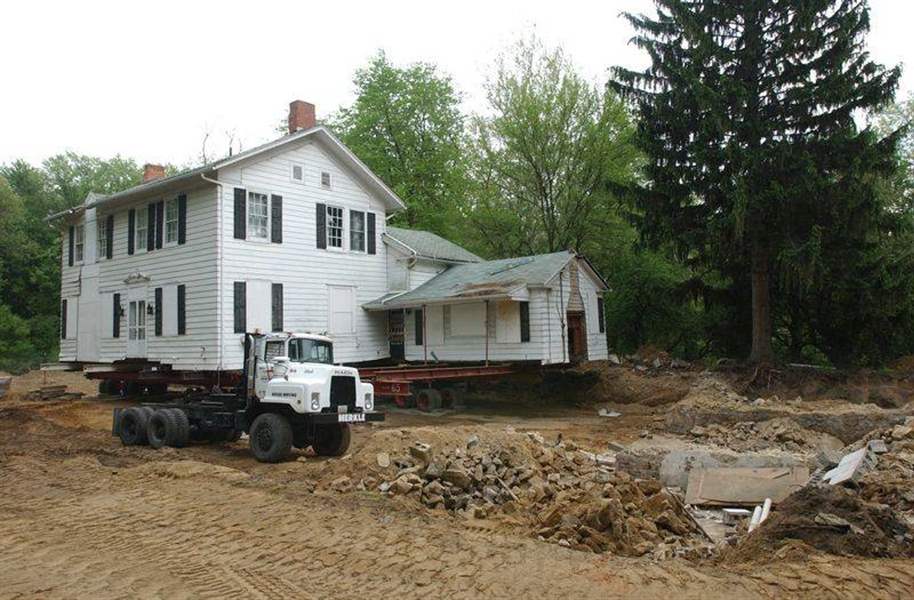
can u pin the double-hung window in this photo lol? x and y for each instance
(141, 217)
(357, 230)
(258, 215)
(79, 243)
(334, 227)
(171, 221)
(102, 237)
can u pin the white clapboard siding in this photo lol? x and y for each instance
(590, 292)
(453, 346)
(424, 270)
(192, 264)
(306, 272)
(560, 291)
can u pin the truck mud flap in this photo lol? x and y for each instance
(352, 418)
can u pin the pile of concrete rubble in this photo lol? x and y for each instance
(566, 495)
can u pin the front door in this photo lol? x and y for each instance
(577, 337)
(136, 323)
(395, 334)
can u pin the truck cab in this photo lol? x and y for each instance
(297, 370)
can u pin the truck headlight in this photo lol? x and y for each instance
(315, 401)
(369, 403)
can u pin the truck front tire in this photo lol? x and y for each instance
(271, 438)
(331, 440)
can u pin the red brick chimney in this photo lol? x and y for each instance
(151, 171)
(301, 115)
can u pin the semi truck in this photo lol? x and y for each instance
(290, 394)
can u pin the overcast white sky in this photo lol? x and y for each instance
(146, 79)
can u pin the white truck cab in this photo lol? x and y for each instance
(297, 370)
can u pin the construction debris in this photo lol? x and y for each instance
(52, 392)
(851, 467)
(743, 487)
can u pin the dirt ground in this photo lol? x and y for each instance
(83, 516)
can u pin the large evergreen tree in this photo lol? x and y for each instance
(747, 119)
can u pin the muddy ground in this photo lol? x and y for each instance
(83, 516)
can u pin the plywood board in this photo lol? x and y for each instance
(743, 486)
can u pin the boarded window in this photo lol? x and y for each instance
(240, 308)
(524, 321)
(276, 307)
(342, 309)
(419, 327)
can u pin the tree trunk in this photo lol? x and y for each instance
(761, 306)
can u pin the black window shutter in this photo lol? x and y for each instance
(277, 307)
(160, 222)
(321, 225)
(276, 219)
(370, 233)
(182, 218)
(109, 230)
(419, 337)
(158, 311)
(150, 227)
(525, 321)
(240, 307)
(600, 317)
(63, 318)
(240, 215)
(70, 255)
(131, 230)
(116, 316)
(182, 308)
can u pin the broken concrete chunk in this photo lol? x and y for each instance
(472, 441)
(457, 477)
(878, 446)
(614, 359)
(743, 486)
(421, 451)
(830, 520)
(605, 412)
(383, 459)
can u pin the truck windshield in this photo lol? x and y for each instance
(314, 351)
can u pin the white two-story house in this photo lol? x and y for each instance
(292, 236)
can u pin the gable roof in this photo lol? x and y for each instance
(479, 281)
(426, 244)
(336, 147)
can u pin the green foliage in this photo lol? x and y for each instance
(17, 352)
(747, 121)
(542, 159)
(406, 125)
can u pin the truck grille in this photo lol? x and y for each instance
(342, 393)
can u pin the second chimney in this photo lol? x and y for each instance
(151, 171)
(301, 115)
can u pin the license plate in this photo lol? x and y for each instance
(351, 418)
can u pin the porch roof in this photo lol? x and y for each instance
(494, 279)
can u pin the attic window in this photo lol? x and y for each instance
(325, 179)
(297, 172)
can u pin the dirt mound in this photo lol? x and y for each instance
(624, 384)
(828, 519)
(782, 432)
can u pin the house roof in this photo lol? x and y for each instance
(339, 150)
(426, 244)
(478, 281)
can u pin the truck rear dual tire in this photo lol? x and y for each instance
(168, 427)
(271, 438)
(134, 425)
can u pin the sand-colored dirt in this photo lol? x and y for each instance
(82, 516)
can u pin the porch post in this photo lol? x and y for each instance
(424, 334)
(487, 333)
